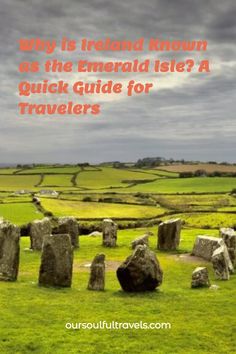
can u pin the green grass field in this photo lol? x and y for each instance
(19, 213)
(92, 210)
(110, 177)
(14, 182)
(36, 317)
(32, 319)
(188, 185)
(54, 181)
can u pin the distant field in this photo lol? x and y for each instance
(207, 220)
(201, 166)
(218, 200)
(99, 210)
(8, 183)
(110, 177)
(158, 172)
(188, 185)
(7, 171)
(56, 181)
(19, 213)
(54, 170)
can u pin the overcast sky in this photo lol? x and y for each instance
(185, 116)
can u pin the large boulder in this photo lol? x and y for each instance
(56, 261)
(142, 240)
(9, 251)
(229, 237)
(141, 271)
(38, 230)
(109, 233)
(221, 263)
(67, 225)
(204, 246)
(200, 278)
(169, 235)
(97, 273)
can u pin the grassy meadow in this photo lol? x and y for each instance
(32, 319)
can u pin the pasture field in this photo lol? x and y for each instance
(14, 182)
(36, 316)
(19, 213)
(201, 166)
(202, 320)
(207, 220)
(53, 181)
(90, 210)
(188, 185)
(8, 171)
(110, 177)
(53, 170)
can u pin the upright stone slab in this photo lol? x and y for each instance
(9, 251)
(109, 233)
(38, 230)
(204, 246)
(141, 271)
(142, 240)
(229, 237)
(221, 263)
(200, 278)
(97, 273)
(169, 235)
(56, 261)
(68, 225)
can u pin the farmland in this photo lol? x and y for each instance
(137, 199)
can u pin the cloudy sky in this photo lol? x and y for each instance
(185, 116)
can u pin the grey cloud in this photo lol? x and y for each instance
(195, 120)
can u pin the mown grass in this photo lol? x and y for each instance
(188, 185)
(19, 213)
(54, 170)
(207, 220)
(15, 182)
(108, 177)
(33, 319)
(56, 181)
(92, 210)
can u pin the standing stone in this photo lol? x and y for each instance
(142, 240)
(68, 225)
(169, 235)
(229, 237)
(9, 251)
(97, 273)
(221, 263)
(141, 271)
(200, 278)
(109, 233)
(204, 246)
(56, 261)
(38, 230)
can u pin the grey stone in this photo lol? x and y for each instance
(38, 230)
(95, 234)
(214, 287)
(221, 263)
(169, 235)
(109, 233)
(141, 271)
(56, 261)
(229, 237)
(9, 251)
(67, 225)
(204, 246)
(97, 273)
(142, 240)
(200, 278)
